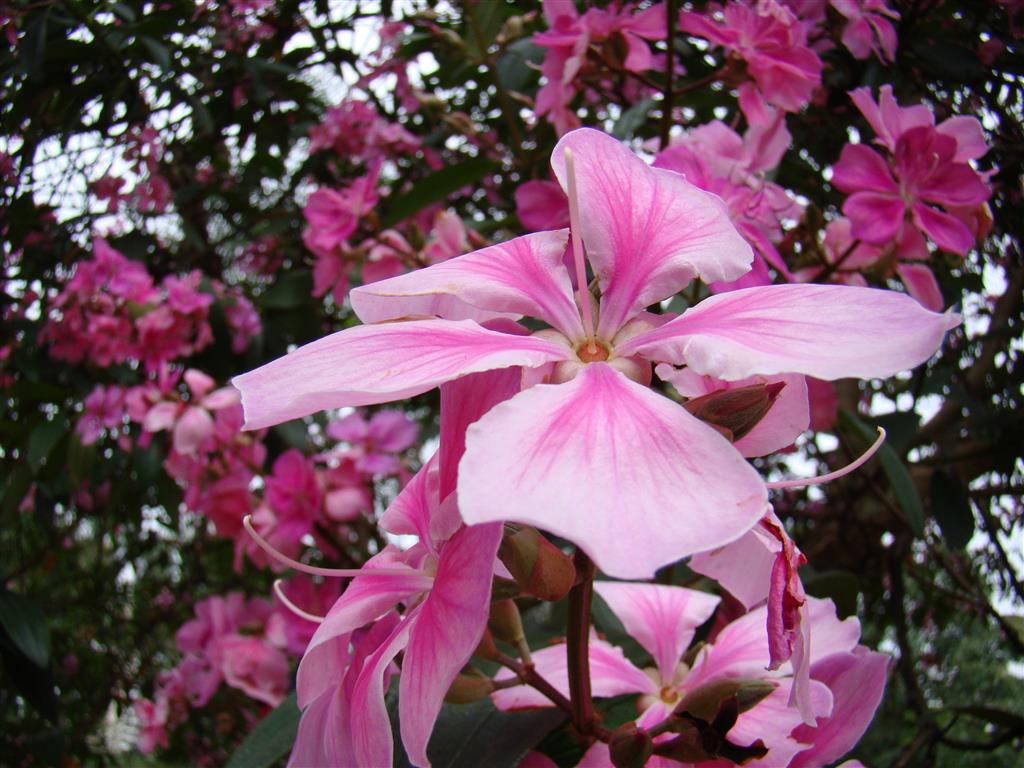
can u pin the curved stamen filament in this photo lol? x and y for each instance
(862, 459)
(293, 607)
(577, 250)
(313, 570)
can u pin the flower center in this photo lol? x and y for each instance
(593, 351)
(669, 695)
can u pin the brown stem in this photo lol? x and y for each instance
(578, 644)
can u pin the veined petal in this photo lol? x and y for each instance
(616, 468)
(524, 276)
(857, 681)
(661, 618)
(371, 726)
(464, 401)
(367, 598)
(611, 674)
(372, 364)
(647, 231)
(826, 331)
(448, 628)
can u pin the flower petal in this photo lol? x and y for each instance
(661, 618)
(857, 681)
(372, 364)
(947, 231)
(616, 468)
(448, 628)
(611, 674)
(876, 216)
(366, 599)
(647, 231)
(524, 276)
(826, 331)
(861, 168)
(921, 284)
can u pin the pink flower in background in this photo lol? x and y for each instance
(927, 184)
(355, 131)
(770, 40)
(333, 215)
(868, 28)
(104, 410)
(291, 631)
(375, 442)
(592, 448)
(152, 717)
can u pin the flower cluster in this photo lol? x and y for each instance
(560, 428)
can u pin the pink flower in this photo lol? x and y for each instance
(868, 28)
(254, 667)
(928, 168)
(152, 717)
(104, 410)
(375, 442)
(772, 42)
(592, 450)
(541, 205)
(663, 620)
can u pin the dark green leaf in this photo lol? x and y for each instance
(43, 440)
(842, 587)
(25, 625)
(292, 290)
(473, 735)
(951, 509)
(513, 68)
(270, 740)
(895, 470)
(436, 187)
(293, 433)
(484, 20)
(158, 53)
(632, 119)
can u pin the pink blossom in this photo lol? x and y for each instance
(772, 42)
(315, 599)
(104, 410)
(152, 717)
(375, 442)
(354, 130)
(592, 448)
(868, 28)
(928, 168)
(541, 205)
(663, 620)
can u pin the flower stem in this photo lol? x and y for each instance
(578, 644)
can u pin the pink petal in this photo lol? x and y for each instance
(161, 416)
(379, 363)
(663, 619)
(463, 402)
(947, 231)
(743, 567)
(611, 674)
(448, 628)
(857, 681)
(199, 383)
(647, 231)
(876, 216)
(612, 466)
(827, 331)
(861, 168)
(773, 721)
(366, 599)
(194, 426)
(392, 431)
(542, 205)
(969, 136)
(524, 276)
(921, 284)
(409, 513)
(370, 724)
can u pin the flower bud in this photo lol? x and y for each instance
(734, 412)
(539, 567)
(505, 623)
(469, 687)
(630, 746)
(706, 701)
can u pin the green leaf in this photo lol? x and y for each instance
(294, 433)
(435, 187)
(632, 119)
(951, 509)
(473, 735)
(270, 740)
(25, 625)
(842, 587)
(43, 440)
(903, 487)
(513, 67)
(158, 53)
(483, 22)
(292, 289)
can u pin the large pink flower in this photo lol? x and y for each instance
(592, 453)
